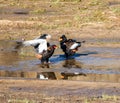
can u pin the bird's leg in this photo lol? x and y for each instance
(66, 54)
(47, 60)
(47, 65)
(42, 63)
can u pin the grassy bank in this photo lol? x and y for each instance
(75, 18)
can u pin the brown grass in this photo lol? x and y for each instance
(35, 91)
(75, 18)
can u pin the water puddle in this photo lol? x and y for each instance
(89, 64)
(92, 77)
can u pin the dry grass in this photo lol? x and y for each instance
(75, 18)
(36, 91)
(103, 99)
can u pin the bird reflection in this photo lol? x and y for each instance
(72, 63)
(47, 75)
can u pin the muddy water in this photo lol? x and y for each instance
(89, 64)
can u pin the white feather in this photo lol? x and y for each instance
(48, 36)
(74, 46)
(41, 47)
(33, 42)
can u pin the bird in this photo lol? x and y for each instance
(44, 51)
(40, 44)
(62, 41)
(69, 46)
(47, 54)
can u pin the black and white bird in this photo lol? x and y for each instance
(69, 46)
(43, 48)
(39, 43)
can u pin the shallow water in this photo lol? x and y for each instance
(89, 64)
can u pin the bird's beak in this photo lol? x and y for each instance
(60, 39)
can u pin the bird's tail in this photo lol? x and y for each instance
(81, 42)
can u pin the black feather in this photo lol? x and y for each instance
(66, 44)
(47, 54)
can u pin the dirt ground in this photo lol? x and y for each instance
(60, 91)
(96, 21)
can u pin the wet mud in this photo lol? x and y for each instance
(99, 64)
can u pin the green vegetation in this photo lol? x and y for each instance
(39, 11)
(20, 101)
(95, 2)
(107, 98)
(101, 99)
(55, 15)
(115, 10)
(93, 16)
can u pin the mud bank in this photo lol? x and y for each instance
(49, 91)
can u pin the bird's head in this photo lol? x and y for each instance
(45, 36)
(63, 38)
(54, 46)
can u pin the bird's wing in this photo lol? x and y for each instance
(37, 37)
(42, 47)
(33, 42)
(75, 45)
